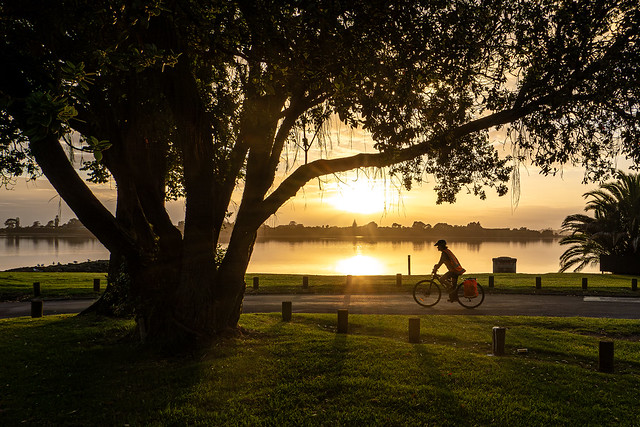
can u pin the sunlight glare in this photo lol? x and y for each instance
(359, 265)
(362, 196)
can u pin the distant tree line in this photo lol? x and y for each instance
(417, 231)
(74, 227)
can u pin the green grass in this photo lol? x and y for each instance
(16, 286)
(564, 283)
(85, 370)
(19, 286)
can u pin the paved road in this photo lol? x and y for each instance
(499, 305)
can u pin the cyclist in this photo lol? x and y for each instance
(453, 265)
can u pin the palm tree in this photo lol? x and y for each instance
(614, 228)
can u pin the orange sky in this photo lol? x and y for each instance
(544, 201)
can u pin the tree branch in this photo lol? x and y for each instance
(73, 190)
(294, 182)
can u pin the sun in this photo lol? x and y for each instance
(360, 265)
(362, 196)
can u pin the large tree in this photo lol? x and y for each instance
(192, 98)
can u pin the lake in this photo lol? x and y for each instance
(327, 257)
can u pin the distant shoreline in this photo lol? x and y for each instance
(403, 238)
(98, 266)
(48, 234)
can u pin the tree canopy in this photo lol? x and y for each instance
(191, 98)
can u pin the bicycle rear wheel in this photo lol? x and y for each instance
(427, 293)
(472, 301)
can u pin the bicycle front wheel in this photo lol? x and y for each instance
(470, 301)
(427, 293)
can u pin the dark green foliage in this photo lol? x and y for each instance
(614, 228)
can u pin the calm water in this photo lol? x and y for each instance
(27, 252)
(314, 257)
(335, 257)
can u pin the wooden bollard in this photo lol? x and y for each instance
(414, 329)
(491, 281)
(305, 282)
(36, 289)
(605, 357)
(634, 284)
(499, 336)
(256, 282)
(286, 311)
(36, 308)
(408, 265)
(96, 285)
(343, 321)
(349, 280)
(398, 279)
(538, 282)
(585, 283)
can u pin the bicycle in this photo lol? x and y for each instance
(428, 292)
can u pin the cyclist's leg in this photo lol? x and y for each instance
(451, 280)
(447, 279)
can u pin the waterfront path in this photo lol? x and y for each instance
(494, 305)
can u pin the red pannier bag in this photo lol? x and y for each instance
(470, 288)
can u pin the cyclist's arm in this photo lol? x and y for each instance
(437, 266)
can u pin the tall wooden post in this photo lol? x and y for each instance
(605, 356)
(343, 321)
(414, 329)
(499, 336)
(36, 308)
(286, 311)
(36, 289)
(408, 265)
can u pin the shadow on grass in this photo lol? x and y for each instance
(75, 369)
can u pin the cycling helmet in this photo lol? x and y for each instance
(441, 243)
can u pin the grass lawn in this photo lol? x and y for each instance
(85, 370)
(19, 286)
(597, 284)
(16, 286)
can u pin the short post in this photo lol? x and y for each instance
(96, 285)
(305, 282)
(343, 320)
(499, 335)
(36, 308)
(634, 284)
(398, 279)
(538, 282)
(349, 280)
(605, 357)
(36, 289)
(585, 283)
(286, 311)
(491, 281)
(414, 330)
(408, 265)
(256, 282)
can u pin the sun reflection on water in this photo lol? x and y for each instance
(360, 265)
